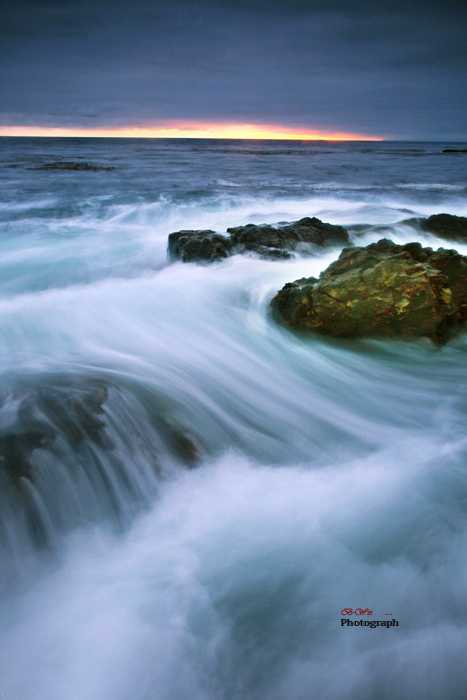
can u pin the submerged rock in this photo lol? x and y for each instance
(71, 421)
(447, 226)
(16, 450)
(70, 414)
(264, 240)
(79, 449)
(183, 444)
(381, 290)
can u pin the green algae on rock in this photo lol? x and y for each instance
(381, 290)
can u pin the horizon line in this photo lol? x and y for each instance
(191, 130)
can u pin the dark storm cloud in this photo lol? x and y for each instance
(396, 68)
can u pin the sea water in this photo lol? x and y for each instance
(192, 495)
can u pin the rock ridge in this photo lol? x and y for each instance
(268, 241)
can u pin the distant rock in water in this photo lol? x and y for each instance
(264, 240)
(455, 150)
(447, 226)
(72, 165)
(381, 290)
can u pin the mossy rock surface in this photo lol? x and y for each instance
(381, 290)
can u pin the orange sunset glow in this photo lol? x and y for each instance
(193, 130)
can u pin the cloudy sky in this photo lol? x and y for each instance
(395, 69)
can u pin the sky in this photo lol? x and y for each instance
(387, 69)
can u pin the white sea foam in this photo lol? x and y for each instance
(233, 587)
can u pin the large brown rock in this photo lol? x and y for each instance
(381, 290)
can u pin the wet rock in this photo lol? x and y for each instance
(264, 240)
(16, 450)
(309, 231)
(79, 449)
(254, 238)
(265, 252)
(447, 226)
(75, 412)
(183, 444)
(178, 439)
(381, 290)
(292, 305)
(315, 232)
(198, 246)
(46, 414)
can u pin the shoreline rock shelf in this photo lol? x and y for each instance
(381, 290)
(306, 236)
(303, 236)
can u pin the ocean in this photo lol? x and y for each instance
(192, 497)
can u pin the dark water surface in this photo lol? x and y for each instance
(328, 475)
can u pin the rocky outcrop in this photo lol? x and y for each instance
(381, 290)
(277, 241)
(447, 226)
(315, 232)
(198, 246)
(264, 240)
